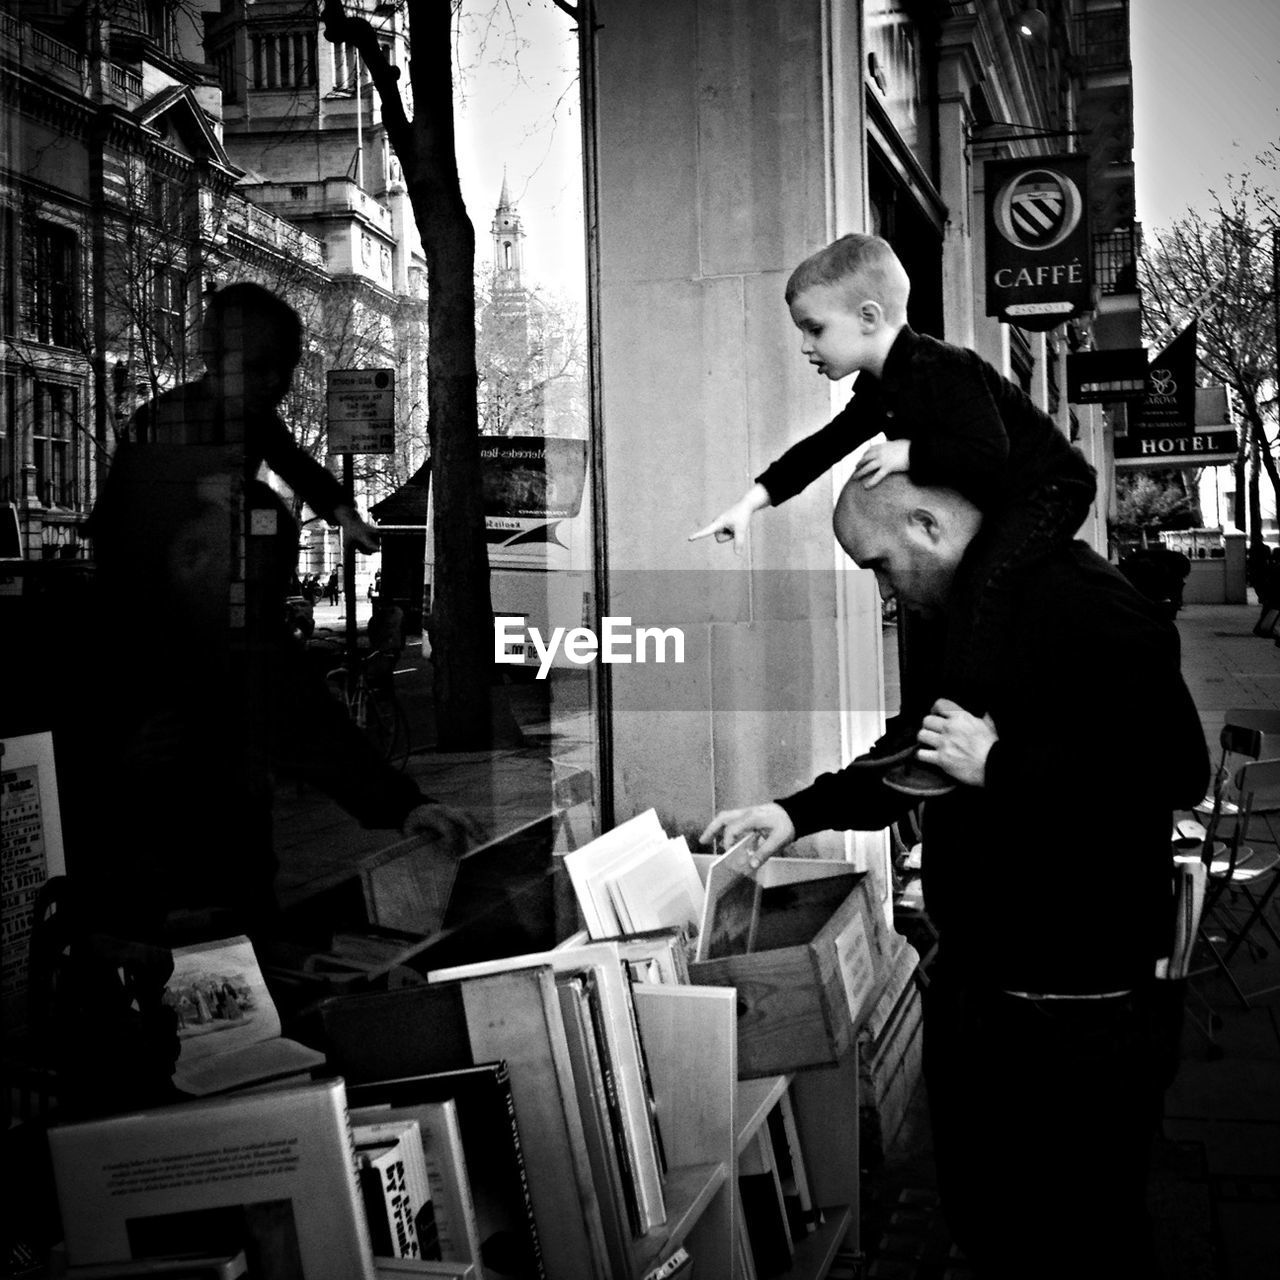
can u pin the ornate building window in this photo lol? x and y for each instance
(8, 441)
(169, 306)
(8, 272)
(55, 294)
(55, 445)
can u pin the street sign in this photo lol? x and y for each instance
(362, 410)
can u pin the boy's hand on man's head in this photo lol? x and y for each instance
(882, 459)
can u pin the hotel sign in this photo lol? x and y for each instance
(1039, 255)
(1176, 423)
(1210, 441)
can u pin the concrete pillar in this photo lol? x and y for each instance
(959, 69)
(730, 145)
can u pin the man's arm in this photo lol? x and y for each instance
(315, 484)
(850, 799)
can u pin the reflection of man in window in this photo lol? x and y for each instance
(209, 696)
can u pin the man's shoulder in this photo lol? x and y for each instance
(1086, 591)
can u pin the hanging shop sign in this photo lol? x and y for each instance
(1168, 406)
(1099, 377)
(362, 410)
(1039, 258)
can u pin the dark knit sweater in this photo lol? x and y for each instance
(970, 428)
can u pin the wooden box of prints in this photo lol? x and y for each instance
(801, 942)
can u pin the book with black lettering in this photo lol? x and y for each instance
(270, 1173)
(509, 1245)
(393, 1177)
(453, 1212)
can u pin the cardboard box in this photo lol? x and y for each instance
(812, 971)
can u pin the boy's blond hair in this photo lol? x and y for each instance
(866, 266)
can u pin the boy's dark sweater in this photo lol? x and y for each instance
(970, 428)
(1055, 876)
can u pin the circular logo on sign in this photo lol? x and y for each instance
(1038, 208)
(1163, 383)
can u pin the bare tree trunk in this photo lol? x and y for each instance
(468, 717)
(1238, 498)
(1257, 546)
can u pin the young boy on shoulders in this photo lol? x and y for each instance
(951, 420)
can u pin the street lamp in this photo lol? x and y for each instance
(1032, 24)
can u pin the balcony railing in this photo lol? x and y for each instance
(257, 224)
(10, 31)
(1115, 260)
(63, 55)
(126, 81)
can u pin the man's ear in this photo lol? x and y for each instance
(924, 523)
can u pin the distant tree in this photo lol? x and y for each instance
(1147, 502)
(531, 362)
(1222, 267)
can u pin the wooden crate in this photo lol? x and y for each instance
(813, 972)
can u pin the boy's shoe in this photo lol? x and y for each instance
(896, 744)
(915, 778)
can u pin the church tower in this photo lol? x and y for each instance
(508, 244)
(511, 371)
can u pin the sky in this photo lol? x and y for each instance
(1206, 77)
(519, 113)
(1206, 99)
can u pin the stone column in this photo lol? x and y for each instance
(730, 145)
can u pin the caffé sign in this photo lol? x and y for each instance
(1039, 260)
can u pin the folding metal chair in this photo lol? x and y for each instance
(1252, 875)
(1241, 879)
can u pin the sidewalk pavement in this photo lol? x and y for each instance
(1225, 664)
(1230, 1104)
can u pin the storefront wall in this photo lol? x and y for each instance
(730, 145)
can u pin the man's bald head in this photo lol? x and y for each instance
(911, 538)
